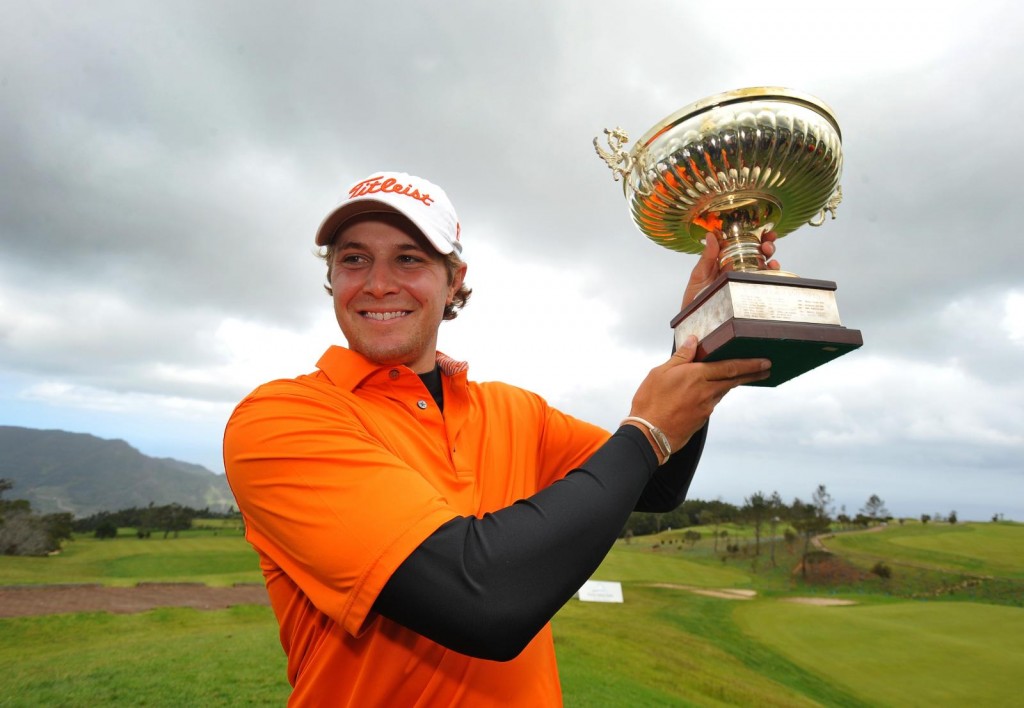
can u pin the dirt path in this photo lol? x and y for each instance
(26, 600)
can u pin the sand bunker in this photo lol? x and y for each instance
(724, 593)
(737, 594)
(820, 601)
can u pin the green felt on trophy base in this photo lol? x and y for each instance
(793, 347)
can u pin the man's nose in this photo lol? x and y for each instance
(381, 280)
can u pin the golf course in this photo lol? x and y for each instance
(904, 614)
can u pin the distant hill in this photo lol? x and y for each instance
(59, 471)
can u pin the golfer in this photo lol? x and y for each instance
(417, 530)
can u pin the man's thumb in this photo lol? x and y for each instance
(687, 350)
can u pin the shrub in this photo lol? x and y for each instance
(106, 529)
(882, 570)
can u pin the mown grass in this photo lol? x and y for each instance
(645, 652)
(218, 558)
(661, 647)
(166, 657)
(901, 653)
(963, 562)
(641, 563)
(992, 549)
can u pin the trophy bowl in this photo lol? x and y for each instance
(737, 164)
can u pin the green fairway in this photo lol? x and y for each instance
(167, 657)
(664, 646)
(906, 654)
(639, 563)
(642, 653)
(984, 549)
(221, 558)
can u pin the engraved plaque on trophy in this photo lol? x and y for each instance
(733, 167)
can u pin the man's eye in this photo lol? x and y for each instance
(351, 259)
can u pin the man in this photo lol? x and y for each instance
(417, 530)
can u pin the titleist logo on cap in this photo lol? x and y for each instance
(389, 185)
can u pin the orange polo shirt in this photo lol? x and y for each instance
(341, 474)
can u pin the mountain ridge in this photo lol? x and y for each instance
(61, 471)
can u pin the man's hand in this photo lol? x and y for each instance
(679, 395)
(707, 268)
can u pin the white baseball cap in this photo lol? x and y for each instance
(421, 202)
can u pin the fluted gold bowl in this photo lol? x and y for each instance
(738, 164)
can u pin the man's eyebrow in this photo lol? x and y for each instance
(363, 246)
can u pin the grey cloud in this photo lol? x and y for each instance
(177, 159)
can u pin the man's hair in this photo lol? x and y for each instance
(452, 262)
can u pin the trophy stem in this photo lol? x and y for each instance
(739, 242)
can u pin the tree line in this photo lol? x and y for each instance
(167, 519)
(759, 510)
(23, 532)
(766, 515)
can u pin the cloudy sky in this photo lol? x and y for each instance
(163, 168)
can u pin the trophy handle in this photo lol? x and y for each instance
(619, 161)
(831, 206)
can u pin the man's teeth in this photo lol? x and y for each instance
(383, 315)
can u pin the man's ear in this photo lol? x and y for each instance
(458, 278)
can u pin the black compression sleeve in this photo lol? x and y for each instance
(668, 486)
(486, 586)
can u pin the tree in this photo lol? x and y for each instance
(952, 517)
(925, 518)
(776, 505)
(791, 537)
(24, 533)
(106, 529)
(710, 518)
(810, 520)
(691, 537)
(756, 510)
(58, 528)
(822, 502)
(875, 509)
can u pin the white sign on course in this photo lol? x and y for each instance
(601, 591)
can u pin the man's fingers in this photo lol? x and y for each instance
(738, 368)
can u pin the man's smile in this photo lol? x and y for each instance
(382, 316)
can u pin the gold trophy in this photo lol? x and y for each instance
(732, 167)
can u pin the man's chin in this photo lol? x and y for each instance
(384, 355)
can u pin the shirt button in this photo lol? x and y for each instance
(422, 405)
(393, 373)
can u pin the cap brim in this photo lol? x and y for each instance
(329, 228)
(336, 219)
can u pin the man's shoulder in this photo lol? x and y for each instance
(305, 386)
(510, 394)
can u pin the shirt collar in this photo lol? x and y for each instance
(347, 369)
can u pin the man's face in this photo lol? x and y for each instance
(390, 290)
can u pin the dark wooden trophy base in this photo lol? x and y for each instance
(792, 321)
